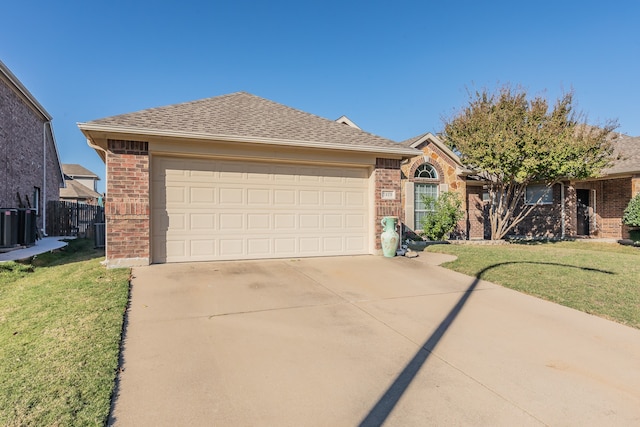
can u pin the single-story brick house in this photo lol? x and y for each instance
(30, 169)
(592, 207)
(239, 177)
(585, 208)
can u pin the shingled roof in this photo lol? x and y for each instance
(77, 171)
(242, 115)
(627, 148)
(75, 190)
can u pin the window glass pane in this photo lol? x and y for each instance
(425, 170)
(420, 210)
(535, 192)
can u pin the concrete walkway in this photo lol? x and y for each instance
(364, 341)
(43, 245)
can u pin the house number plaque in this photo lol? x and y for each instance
(388, 195)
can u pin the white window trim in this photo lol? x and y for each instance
(415, 212)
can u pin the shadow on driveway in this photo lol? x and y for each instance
(382, 409)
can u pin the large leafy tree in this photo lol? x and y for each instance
(513, 141)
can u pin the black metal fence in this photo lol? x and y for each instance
(72, 219)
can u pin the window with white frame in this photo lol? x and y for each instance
(538, 194)
(426, 170)
(420, 209)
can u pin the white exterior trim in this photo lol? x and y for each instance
(89, 131)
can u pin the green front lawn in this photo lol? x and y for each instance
(60, 326)
(598, 278)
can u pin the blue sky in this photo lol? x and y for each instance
(395, 68)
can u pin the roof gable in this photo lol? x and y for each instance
(242, 116)
(427, 138)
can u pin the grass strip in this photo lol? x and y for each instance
(61, 318)
(598, 278)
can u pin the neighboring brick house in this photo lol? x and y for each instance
(584, 208)
(30, 171)
(241, 177)
(81, 185)
(591, 207)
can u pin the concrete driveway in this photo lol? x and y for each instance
(363, 341)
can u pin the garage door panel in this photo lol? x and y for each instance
(258, 196)
(332, 198)
(284, 198)
(259, 222)
(231, 196)
(309, 198)
(204, 248)
(355, 222)
(285, 221)
(231, 221)
(175, 194)
(202, 221)
(231, 247)
(355, 199)
(205, 195)
(224, 210)
(309, 221)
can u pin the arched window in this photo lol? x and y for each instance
(421, 209)
(425, 170)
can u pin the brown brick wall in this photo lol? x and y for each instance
(21, 154)
(387, 177)
(127, 201)
(544, 220)
(612, 198)
(476, 219)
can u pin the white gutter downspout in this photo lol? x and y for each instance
(43, 196)
(563, 214)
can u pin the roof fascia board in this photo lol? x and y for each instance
(433, 138)
(88, 129)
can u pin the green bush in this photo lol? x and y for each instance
(632, 212)
(442, 220)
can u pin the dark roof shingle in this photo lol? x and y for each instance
(75, 171)
(627, 148)
(75, 190)
(242, 114)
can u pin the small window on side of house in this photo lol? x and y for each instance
(36, 199)
(538, 194)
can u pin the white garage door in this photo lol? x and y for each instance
(222, 210)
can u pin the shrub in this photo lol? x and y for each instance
(632, 212)
(444, 217)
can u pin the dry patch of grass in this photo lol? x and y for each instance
(60, 327)
(597, 278)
